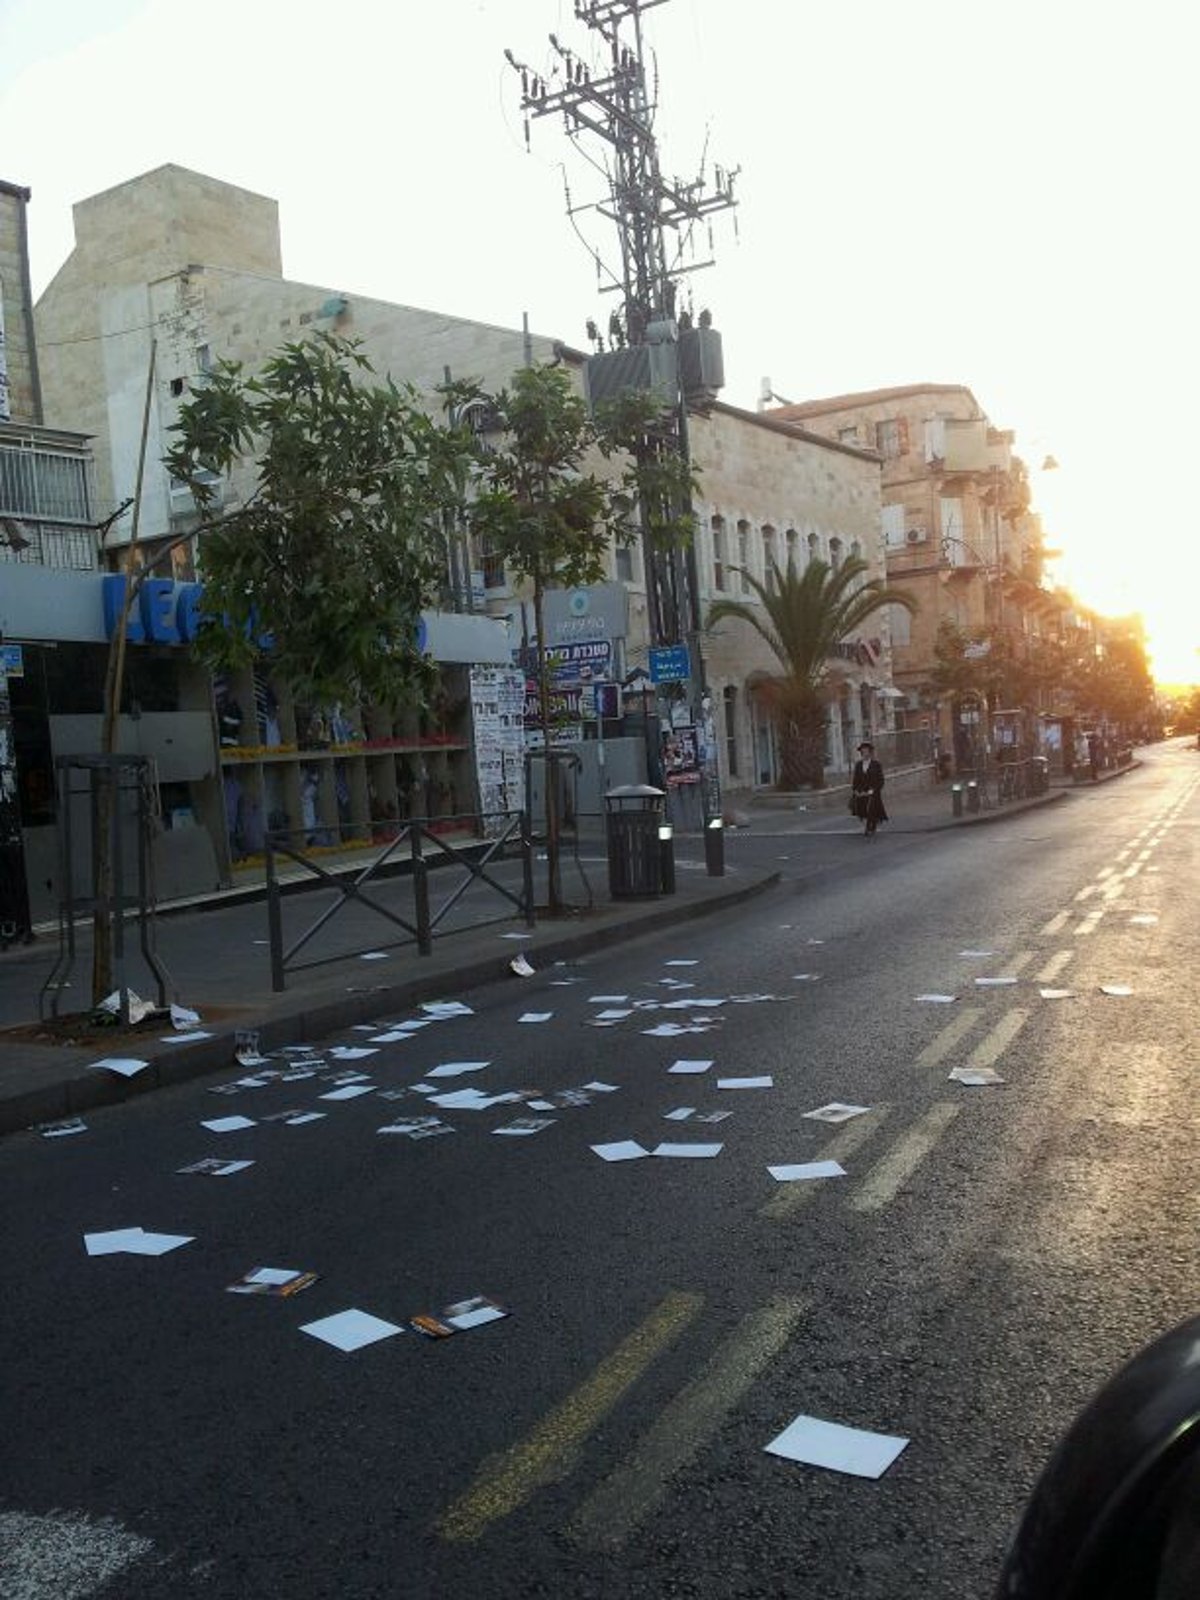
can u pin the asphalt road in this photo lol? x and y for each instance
(988, 1259)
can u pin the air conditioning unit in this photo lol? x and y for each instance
(915, 536)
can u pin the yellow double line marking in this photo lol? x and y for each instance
(548, 1453)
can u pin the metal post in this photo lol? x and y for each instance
(956, 799)
(666, 849)
(714, 847)
(527, 869)
(421, 893)
(274, 921)
(972, 796)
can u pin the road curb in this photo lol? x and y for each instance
(281, 1022)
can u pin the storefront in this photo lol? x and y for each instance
(230, 759)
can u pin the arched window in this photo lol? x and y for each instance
(720, 553)
(835, 553)
(791, 540)
(770, 546)
(743, 533)
(855, 551)
(814, 547)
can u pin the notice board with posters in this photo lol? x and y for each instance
(498, 721)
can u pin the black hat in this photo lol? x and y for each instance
(865, 745)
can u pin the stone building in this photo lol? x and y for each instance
(20, 388)
(959, 533)
(195, 265)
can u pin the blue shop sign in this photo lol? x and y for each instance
(12, 660)
(670, 664)
(164, 612)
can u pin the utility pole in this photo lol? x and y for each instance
(651, 344)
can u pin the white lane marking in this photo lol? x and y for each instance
(1087, 891)
(1056, 923)
(886, 1177)
(1018, 963)
(1106, 872)
(1054, 966)
(609, 1515)
(64, 1554)
(940, 1046)
(792, 1196)
(1090, 922)
(1121, 854)
(1132, 872)
(994, 1043)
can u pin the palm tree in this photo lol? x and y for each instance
(803, 616)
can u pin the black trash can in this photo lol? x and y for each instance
(634, 817)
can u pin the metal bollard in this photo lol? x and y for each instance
(666, 853)
(956, 800)
(972, 796)
(714, 847)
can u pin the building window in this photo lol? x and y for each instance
(835, 553)
(623, 555)
(847, 435)
(731, 731)
(856, 551)
(814, 547)
(493, 569)
(743, 532)
(893, 526)
(770, 551)
(791, 541)
(891, 437)
(901, 623)
(720, 554)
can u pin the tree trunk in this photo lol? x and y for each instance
(801, 746)
(553, 868)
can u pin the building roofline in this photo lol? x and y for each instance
(843, 402)
(16, 190)
(774, 423)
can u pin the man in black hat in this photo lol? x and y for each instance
(866, 787)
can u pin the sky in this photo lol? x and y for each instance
(944, 191)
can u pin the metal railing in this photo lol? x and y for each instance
(407, 852)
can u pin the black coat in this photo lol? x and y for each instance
(867, 786)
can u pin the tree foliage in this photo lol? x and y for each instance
(337, 549)
(802, 617)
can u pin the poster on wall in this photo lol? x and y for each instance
(680, 757)
(498, 718)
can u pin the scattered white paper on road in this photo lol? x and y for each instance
(348, 1091)
(836, 1111)
(1119, 990)
(607, 999)
(62, 1130)
(805, 977)
(473, 1313)
(665, 1030)
(183, 1017)
(601, 1088)
(976, 954)
(765, 1082)
(446, 1008)
(134, 1242)
(802, 1171)
(306, 1116)
(184, 1038)
(1144, 921)
(936, 999)
(214, 1167)
(690, 1066)
(455, 1069)
(535, 1016)
(993, 983)
(524, 1126)
(228, 1124)
(1057, 994)
(680, 1114)
(392, 1036)
(699, 1152)
(516, 936)
(123, 1066)
(976, 1077)
(350, 1330)
(352, 1052)
(681, 963)
(472, 1100)
(373, 955)
(521, 966)
(840, 1449)
(541, 1105)
(620, 1150)
(617, 1015)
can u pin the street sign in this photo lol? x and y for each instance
(12, 660)
(670, 664)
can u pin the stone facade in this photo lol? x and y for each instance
(194, 265)
(20, 397)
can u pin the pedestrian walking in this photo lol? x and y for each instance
(866, 789)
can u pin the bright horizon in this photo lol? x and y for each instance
(929, 194)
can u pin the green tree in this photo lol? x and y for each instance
(326, 567)
(552, 521)
(802, 616)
